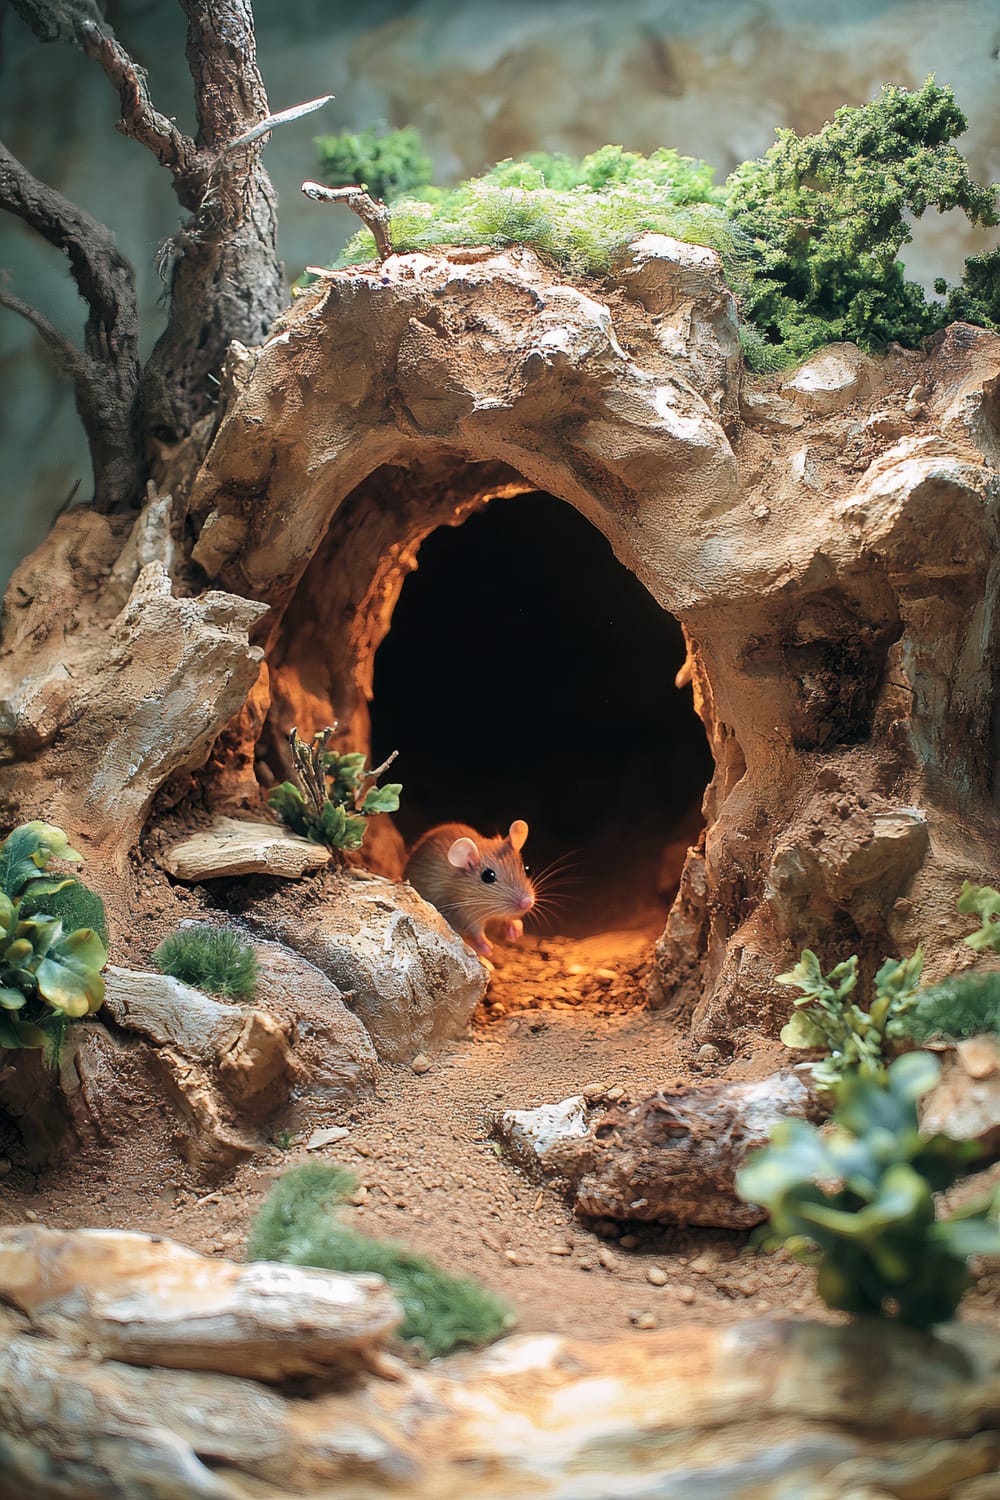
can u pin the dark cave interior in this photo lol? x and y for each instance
(528, 674)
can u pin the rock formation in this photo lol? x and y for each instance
(830, 550)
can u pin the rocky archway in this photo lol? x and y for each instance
(830, 552)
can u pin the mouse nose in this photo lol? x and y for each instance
(526, 902)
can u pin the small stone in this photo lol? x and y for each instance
(31, 1216)
(360, 1195)
(629, 1241)
(421, 1063)
(605, 976)
(518, 1258)
(606, 1229)
(362, 1148)
(320, 1138)
(606, 1259)
(560, 1250)
(709, 1054)
(616, 1093)
(645, 1320)
(684, 1293)
(595, 1090)
(915, 410)
(656, 1276)
(707, 1261)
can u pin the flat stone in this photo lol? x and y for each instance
(172, 1014)
(231, 846)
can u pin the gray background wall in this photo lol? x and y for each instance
(482, 80)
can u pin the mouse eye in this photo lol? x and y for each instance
(527, 869)
(489, 876)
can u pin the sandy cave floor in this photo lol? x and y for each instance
(561, 1015)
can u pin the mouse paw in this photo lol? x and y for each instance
(480, 942)
(514, 930)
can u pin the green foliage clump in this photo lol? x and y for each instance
(857, 1202)
(335, 796)
(828, 214)
(977, 297)
(297, 1225)
(388, 163)
(963, 1004)
(50, 965)
(827, 1016)
(218, 960)
(579, 213)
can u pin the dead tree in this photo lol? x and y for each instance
(222, 270)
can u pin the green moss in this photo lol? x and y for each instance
(960, 1006)
(218, 960)
(297, 1225)
(74, 905)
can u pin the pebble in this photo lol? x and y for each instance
(645, 1320)
(708, 1260)
(605, 1229)
(607, 1260)
(360, 1195)
(362, 1148)
(518, 1258)
(684, 1293)
(595, 1090)
(421, 1063)
(656, 1276)
(31, 1216)
(327, 1137)
(709, 1054)
(629, 1241)
(560, 1249)
(616, 1093)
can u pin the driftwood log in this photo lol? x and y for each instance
(672, 1158)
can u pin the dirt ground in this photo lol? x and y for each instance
(561, 1015)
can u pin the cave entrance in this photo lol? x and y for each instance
(528, 674)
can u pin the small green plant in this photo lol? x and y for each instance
(857, 1202)
(827, 1016)
(335, 795)
(388, 163)
(297, 1225)
(218, 960)
(50, 966)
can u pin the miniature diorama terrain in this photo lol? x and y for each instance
(675, 617)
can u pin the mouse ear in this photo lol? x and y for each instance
(463, 854)
(518, 833)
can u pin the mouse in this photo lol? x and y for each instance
(474, 880)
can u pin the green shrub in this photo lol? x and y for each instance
(385, 162)
(50, 966)
(827, 1016)
(828, 214)
(961, 1006)
(857, 1202)
(297, 1225)
(335, 795)
(218, 960)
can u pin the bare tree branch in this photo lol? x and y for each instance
(140, 121)
(106, 373)
(66, 355)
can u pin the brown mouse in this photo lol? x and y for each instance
(472, 880)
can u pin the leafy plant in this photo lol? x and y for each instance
(827, 1015)
(960, 1006)
(335, 795)
(386, 162)
(828, 214)
(218, 960)
(50, 967)
(297, 1225)
(982, 901)
(857, 1202)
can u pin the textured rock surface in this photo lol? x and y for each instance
(965, 1102)
(830, 380)
(403, 971)
(671, 1158)
(332, 1053)
(770, 1409)
(230, 846)
(147, 1301)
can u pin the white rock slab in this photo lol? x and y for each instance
(234, 847)
(171, 1013)
(831, 379)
